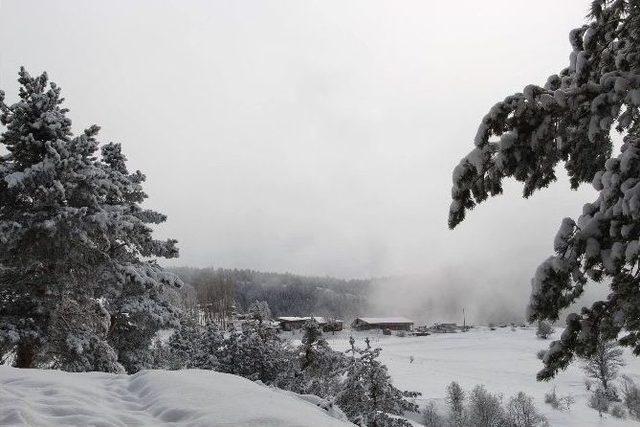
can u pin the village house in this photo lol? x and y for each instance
(382, 323)
(291, 323)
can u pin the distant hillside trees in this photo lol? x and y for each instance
(286, 294)
(570, 120)
(79, 286)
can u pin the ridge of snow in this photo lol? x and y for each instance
(179, 398)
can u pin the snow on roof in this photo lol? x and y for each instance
(293, 318)
(304, 319)
(376, 320)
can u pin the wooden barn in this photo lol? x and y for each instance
(390, 323)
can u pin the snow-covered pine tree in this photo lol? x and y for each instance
(78, 285)
(368, 396)
(257, 353)
(570, 119)
(259, 311)
(184, 345)
(209, 350)
(321, 367)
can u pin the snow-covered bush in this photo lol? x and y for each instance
(544, 329)
(79, 285)
(522, 412)
(540, 354)
(617, 410)
(258, 353)
(431, 417)
(485, 409)
(560, 403)
(631, 396)
(455, 404)
(599, 400)
(571, 119)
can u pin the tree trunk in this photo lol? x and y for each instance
(25, 355)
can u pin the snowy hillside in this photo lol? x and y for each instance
(149, 398)
(504, 361)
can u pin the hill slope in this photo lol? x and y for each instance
(149, 398)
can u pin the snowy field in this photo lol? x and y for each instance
(503, 360)
(32, 397)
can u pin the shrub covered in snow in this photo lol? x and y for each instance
(522, 412)
(561, 403)
(631, 396)
(485, 409)
(431, 417)
(455, 404)
(617, 410)
(544, 329)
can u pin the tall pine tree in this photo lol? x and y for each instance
(570, 119)
(79, 286)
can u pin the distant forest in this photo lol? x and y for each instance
(287, 294)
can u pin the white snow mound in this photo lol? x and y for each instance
(149, 398)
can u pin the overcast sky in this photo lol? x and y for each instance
(313, 137)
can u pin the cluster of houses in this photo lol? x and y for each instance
(385, 324)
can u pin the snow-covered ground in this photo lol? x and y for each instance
(503, 360)
(150, 398)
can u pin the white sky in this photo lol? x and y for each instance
(313, 137)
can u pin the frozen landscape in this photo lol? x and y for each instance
(503, 360)
(150, 398)
(265, 213)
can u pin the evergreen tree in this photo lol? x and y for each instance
(368, 396)
(570, 119)
(259, 311)
(257, 353)
(79, 288)
(210, 347)
(321, 367)
(184, 346)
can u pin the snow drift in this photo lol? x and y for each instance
(185, 398)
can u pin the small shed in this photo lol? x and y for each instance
(390, 323)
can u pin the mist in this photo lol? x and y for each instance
(315, 137)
